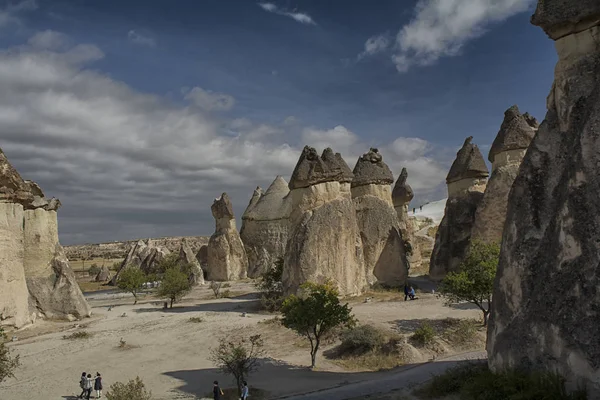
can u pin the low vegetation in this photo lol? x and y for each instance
(476, 382)
(196, 320)
(424, 335)
(271, 288)
(474, 281)
(8, 363)
(216, 288)
(132, 390)
(461, 332)
(78, 335)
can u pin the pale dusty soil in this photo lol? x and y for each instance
(171, 354)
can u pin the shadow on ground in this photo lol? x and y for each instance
(239, 306)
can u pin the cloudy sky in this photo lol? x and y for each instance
(137, 114)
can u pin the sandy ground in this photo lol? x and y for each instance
(171, 354)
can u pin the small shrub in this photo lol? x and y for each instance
(216, 288)
(78, 335)
(132, 390)
(424, 335)
(8, 364)
(226, 294)
(463, 333)
(360, 340)
(196, 320)
(271, 288)
(94, 270)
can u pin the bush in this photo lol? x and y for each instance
(132, 390)
(360, 340)
(196, 320)
(271, 288)
(8, 364)
(78, 335)
(216, 288)
(424, 335)
(94, 270)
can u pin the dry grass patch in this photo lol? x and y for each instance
(78, 335)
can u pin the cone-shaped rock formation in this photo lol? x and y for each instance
(187, 257)
(402, 194)
(145, 255)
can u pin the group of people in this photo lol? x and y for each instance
(409, 292)
(87, 384)
(218, 392)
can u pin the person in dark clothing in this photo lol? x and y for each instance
(82, 383)
(406, 291)
(217, 392)
(98, 385)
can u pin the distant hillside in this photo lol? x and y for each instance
(114, 250)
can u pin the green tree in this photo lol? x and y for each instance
(238, 357)
(271, 288)
(8, 364)
(316, 313)
(131, 281)
(132, 390)
(474, 281)
(172, 261)
(174, 285)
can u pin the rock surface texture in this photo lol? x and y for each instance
(265, 227)
(547, 290)
(382, 242)
(35, 277)
(103, 275)
(466, 182)
(506, 154)
(402, 194)
(145, 255)
(324, 238)
(187, 256)
(227, 260)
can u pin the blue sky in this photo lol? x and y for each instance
(137, 114)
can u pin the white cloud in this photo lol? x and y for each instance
(140, 39)
(209, 100)
(301, 17)
(48, 39)
(9, 14)
(374, 45)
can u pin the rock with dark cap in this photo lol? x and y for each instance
(469, 163)
(506, 155)
(370, 169)
(402, 194)
(312, 169)
(547, 290)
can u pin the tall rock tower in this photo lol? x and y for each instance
(402, 195)
(466, 183)
(506, 154)
(324, 238)
(383, 245)
(547, 290)
(227, 260)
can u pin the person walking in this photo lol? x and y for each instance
(82, 383)
(89, 385)
(245, 391)
(98, 385)
(217, 392)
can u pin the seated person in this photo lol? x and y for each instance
(411, 293)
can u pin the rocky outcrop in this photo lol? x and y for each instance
(466, 182)
(187, 257)
(227, 260)
(546, 293)
(35, 277)
(383, 246)
(103, 275)
(265, 227)
(506, 154)
(202, 257)
(402, 194)
(145, 255)
(324, 238)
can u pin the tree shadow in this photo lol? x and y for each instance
(242, 306)
(468, 306)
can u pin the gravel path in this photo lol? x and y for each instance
(401, 379)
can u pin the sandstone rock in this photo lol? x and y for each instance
(265, 227)
(382, 242)
(186, 256)
(324, 239)
(466, 183)
(104, 274)
(202, 256)
(506, 154)
(402, 194)
(227, 260)
(145, 255)
(546, 296)
(13, 188)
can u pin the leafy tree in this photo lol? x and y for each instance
(132, 390)
(131, 281)
(271, 287)
(474, 280)
(316, 313)
(8, 364)
(238, 357)
(172, 261)
(174, 285)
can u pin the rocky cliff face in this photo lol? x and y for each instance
(227, 260)
(506, 154)
(466, 182)
(187, 256)
(145, 255)
(402, 194)
(383, 245)
(35, 277)
(546, 293)
(265, 227)
(324, 238)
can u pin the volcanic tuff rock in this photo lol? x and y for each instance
(324, 239)
(104, 274)
(506, 154)
(35, 277)
(186, 256)
(546, 293)
(227, 260)
(466, 183)
(145, 255)
(402, 194)
(265, 227)
(202, 256)
(383, 245)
